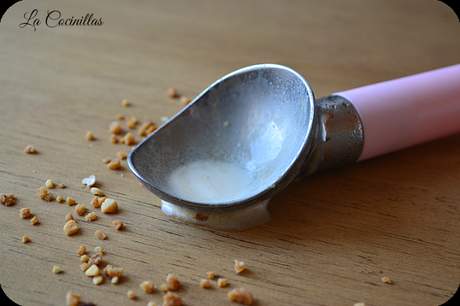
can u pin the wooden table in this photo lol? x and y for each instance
(332, 237)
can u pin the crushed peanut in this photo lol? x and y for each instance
(164, 287)
(112, 271)
(72, 299)
(71, 227)
(49, 184)
(34, 220)
(95, 202)
(170, 299)
(114, 164)
(106, 160)
(89, 181)
(89, 135)
(97, 191)
(240, 295)
(131, 294)
(115, 280)
(70, 201)
(84, 266)
(49, 197)
(84, 258)
(147, 286)
(221, 282)
(101, 200)
(68, 217)
(115, 127)
(210, 274)
(109, 206)
(239, 266)
(129, 139)
(118, 224)
(60, 199)
(25, 239)
(80, 209)
(24, 213)
(205, 283)
(113, 139)
(100, 234)
(97, 280)
(7, 199)
(122, 155)
(91, 216)
(42, 192)
(61, 185)
(56, 270)
(185, 100)
(142, 131)
(81, 250)
(172, 92)
(120, 117)
(99, 249)
(387, 280)
(172, 282)
(30, 149)
(131, 122)
(125, 102)
(151, 129)
(93, 270)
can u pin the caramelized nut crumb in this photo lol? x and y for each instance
(240, 295)
(210, 274)
(30, 149)
(25, 239)
(109, 206)
(71, 227)
(131, 294)
(97, 280)
(129, 138)
(118, 224)
(164, 287)
(99, 249)
(147, 286)
(42, 192)
(84, 258)
(114, 164)
(7, 199)
(221, 282)
(97, 191)
(24, 213)
(49, 184)
(61, 185)
(95, 202)
(68, 217)
(81, 250)
(106, 160)
(113, 139)
(125, 102)
(172, 282)
(72, 299)
(91, 216)
(115, 127)
(34, 220)
(170, 299)
(80, 209)
(120, 117)
(100, 234)
(70, 201)
(205, 283)
(122, 155)
(89, 135)
(60, 199)
(172, 92)
(56, 270)
(93, 270)
(239, 266)
(387, 280)
(84, 266)
(115, 280)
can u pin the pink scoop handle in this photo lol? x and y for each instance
(404, 112)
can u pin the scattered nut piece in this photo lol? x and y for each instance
(115, 280)
(240, 295)
(164, 287)
(56, 270)
(170, 299)
(60, 199)
(91, 216)
(112, 271)
(70, 201)
(84, 258)
(109, 206)
(99, 249)
(25, 239)
(387, 280)
(97, 191)
(49, 184)
(97, 280)
(114, 164)
(151, 303)
(92, 271)
(147, 286)
(49, 197)
(61, 185)
(80, 209)
(7, 199)
(71, 227)
(84, 266)
(72, 299)
(89, 135)
(42, 192)
(101, 200)
(122, 155)
(106, 160)
(172, 92)
(185, 100)
(89, 181)
(113, 138)
(142, 131)
(115, 127)
(68, 217)
(100, 234)
(239, 266)
(30, 149)
(210, 274)
(120, 117)
(118, 224)
(24, 213)
(131, 122)
(34, 220)
(131, 294)
(205, 283)
(221, 282)
(172, 282)
(81, 250)
(151, 129)
(129, 138)
(125, 102)
(95, 202)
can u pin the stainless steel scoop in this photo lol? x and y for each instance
(263, 122)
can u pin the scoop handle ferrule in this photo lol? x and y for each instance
(404, 112)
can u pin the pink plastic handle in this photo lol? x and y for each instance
(404, 112)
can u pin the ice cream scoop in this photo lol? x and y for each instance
(255, 130)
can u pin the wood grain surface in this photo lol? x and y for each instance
(332, 236)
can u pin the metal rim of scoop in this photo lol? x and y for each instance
(286, 177)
